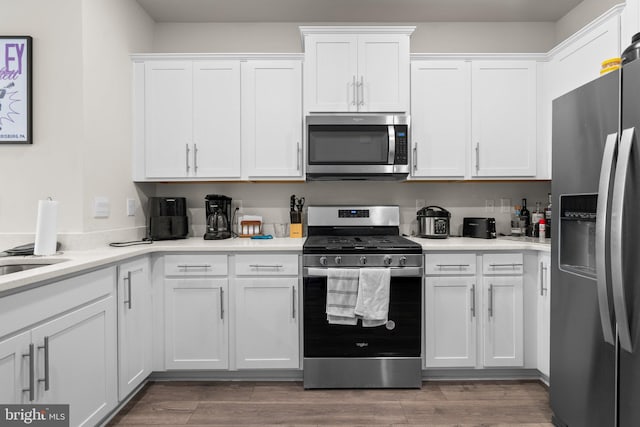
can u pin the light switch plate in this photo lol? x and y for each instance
(489, 205)
(101, 207)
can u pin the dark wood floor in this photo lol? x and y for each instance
(512, 403)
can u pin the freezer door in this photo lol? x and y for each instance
(629, 242)
(582, 371)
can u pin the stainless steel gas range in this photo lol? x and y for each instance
(356, 355)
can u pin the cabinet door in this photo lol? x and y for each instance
(272, 114)
(441, 118)
(544, 313)
(81, 365)
(168, 119)
(383, 73)
(134, 325)
(503, 321)
(331, 68)
(216, 119)
(196, 324)
(503, 118)
(267, 323)
(15, 374)
(450, 321)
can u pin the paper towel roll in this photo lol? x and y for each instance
(46, 235)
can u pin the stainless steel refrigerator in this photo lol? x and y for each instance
(595, 297)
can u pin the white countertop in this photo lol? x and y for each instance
(72, 262)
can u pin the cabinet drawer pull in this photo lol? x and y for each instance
(298, 155)
(265, 266)
(185, 266)
(45, 380)
(512, 266)
(415, 157)
(187, 157)
(128, 279)
(460, 266)
(195, 158)
(543, 272)
(477, 157)
(32, 368)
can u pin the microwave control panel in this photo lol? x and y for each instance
(402, 145)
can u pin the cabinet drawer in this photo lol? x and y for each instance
(195, 265)
(266, 265)
(450, 264)
(505, 263)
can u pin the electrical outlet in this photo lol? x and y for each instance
(489, 206)
(505, 205)
(131, 207)
(238, 204)
(420, 203)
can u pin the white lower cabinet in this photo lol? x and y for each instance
(267, 311)
(544, 313)
(503, 321)
(196, 330)
(267, 323)
(134, 325)
(450, 321)
(63, 358)
(472, 319)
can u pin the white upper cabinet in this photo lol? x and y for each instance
(356, 69)
(504, 120)
(192, 119)
(272, 119)
(217, 117)
(440, 118)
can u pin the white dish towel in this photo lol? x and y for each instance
(372, 303)
(342, 292)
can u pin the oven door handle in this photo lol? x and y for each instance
(395, 271)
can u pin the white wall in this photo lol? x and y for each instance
(467, 37)
(52, 165)
(581, 15)
(271, 200)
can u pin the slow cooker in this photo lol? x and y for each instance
(433, 222)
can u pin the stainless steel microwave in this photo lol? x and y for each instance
(357, 147)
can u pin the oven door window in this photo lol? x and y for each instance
(348, 144)
(402, 339)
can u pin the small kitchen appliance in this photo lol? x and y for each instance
(168, 218)
(433, 222)
(357, 147)
(218, 211)
(342, 238)
(481, 228)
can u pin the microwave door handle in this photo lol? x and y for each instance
(602, 228)
(617, 216)
(392, 144)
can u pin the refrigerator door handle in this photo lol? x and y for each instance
(602, 262)
(617, 216)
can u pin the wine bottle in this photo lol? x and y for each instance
(525, 216)
(547, 217)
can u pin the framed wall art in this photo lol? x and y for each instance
(15, 90)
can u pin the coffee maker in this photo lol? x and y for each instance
(218, 211)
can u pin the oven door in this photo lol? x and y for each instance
(400, 337)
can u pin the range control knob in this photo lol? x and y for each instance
(338, 260)
(403, 260)
(363, 260)
(323, 260)
(387, 260)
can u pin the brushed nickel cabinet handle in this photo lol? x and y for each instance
(265, 266)
(128, 279)
(490, 301)
(298, 155)
(415, 156)
(221, 304)
(45, 380)
(186, 266)
(477, 157)
(195, 158)
(353, 85)
(293, 302)
(473, 300)
(187, 157)
(32, 369)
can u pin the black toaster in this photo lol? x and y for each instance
(481, 228)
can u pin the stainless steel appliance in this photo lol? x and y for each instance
(595, 299)
(168, 218)
(433, 222)
(218, 211)
(481, 228)
(353, 356)
(357, 147)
